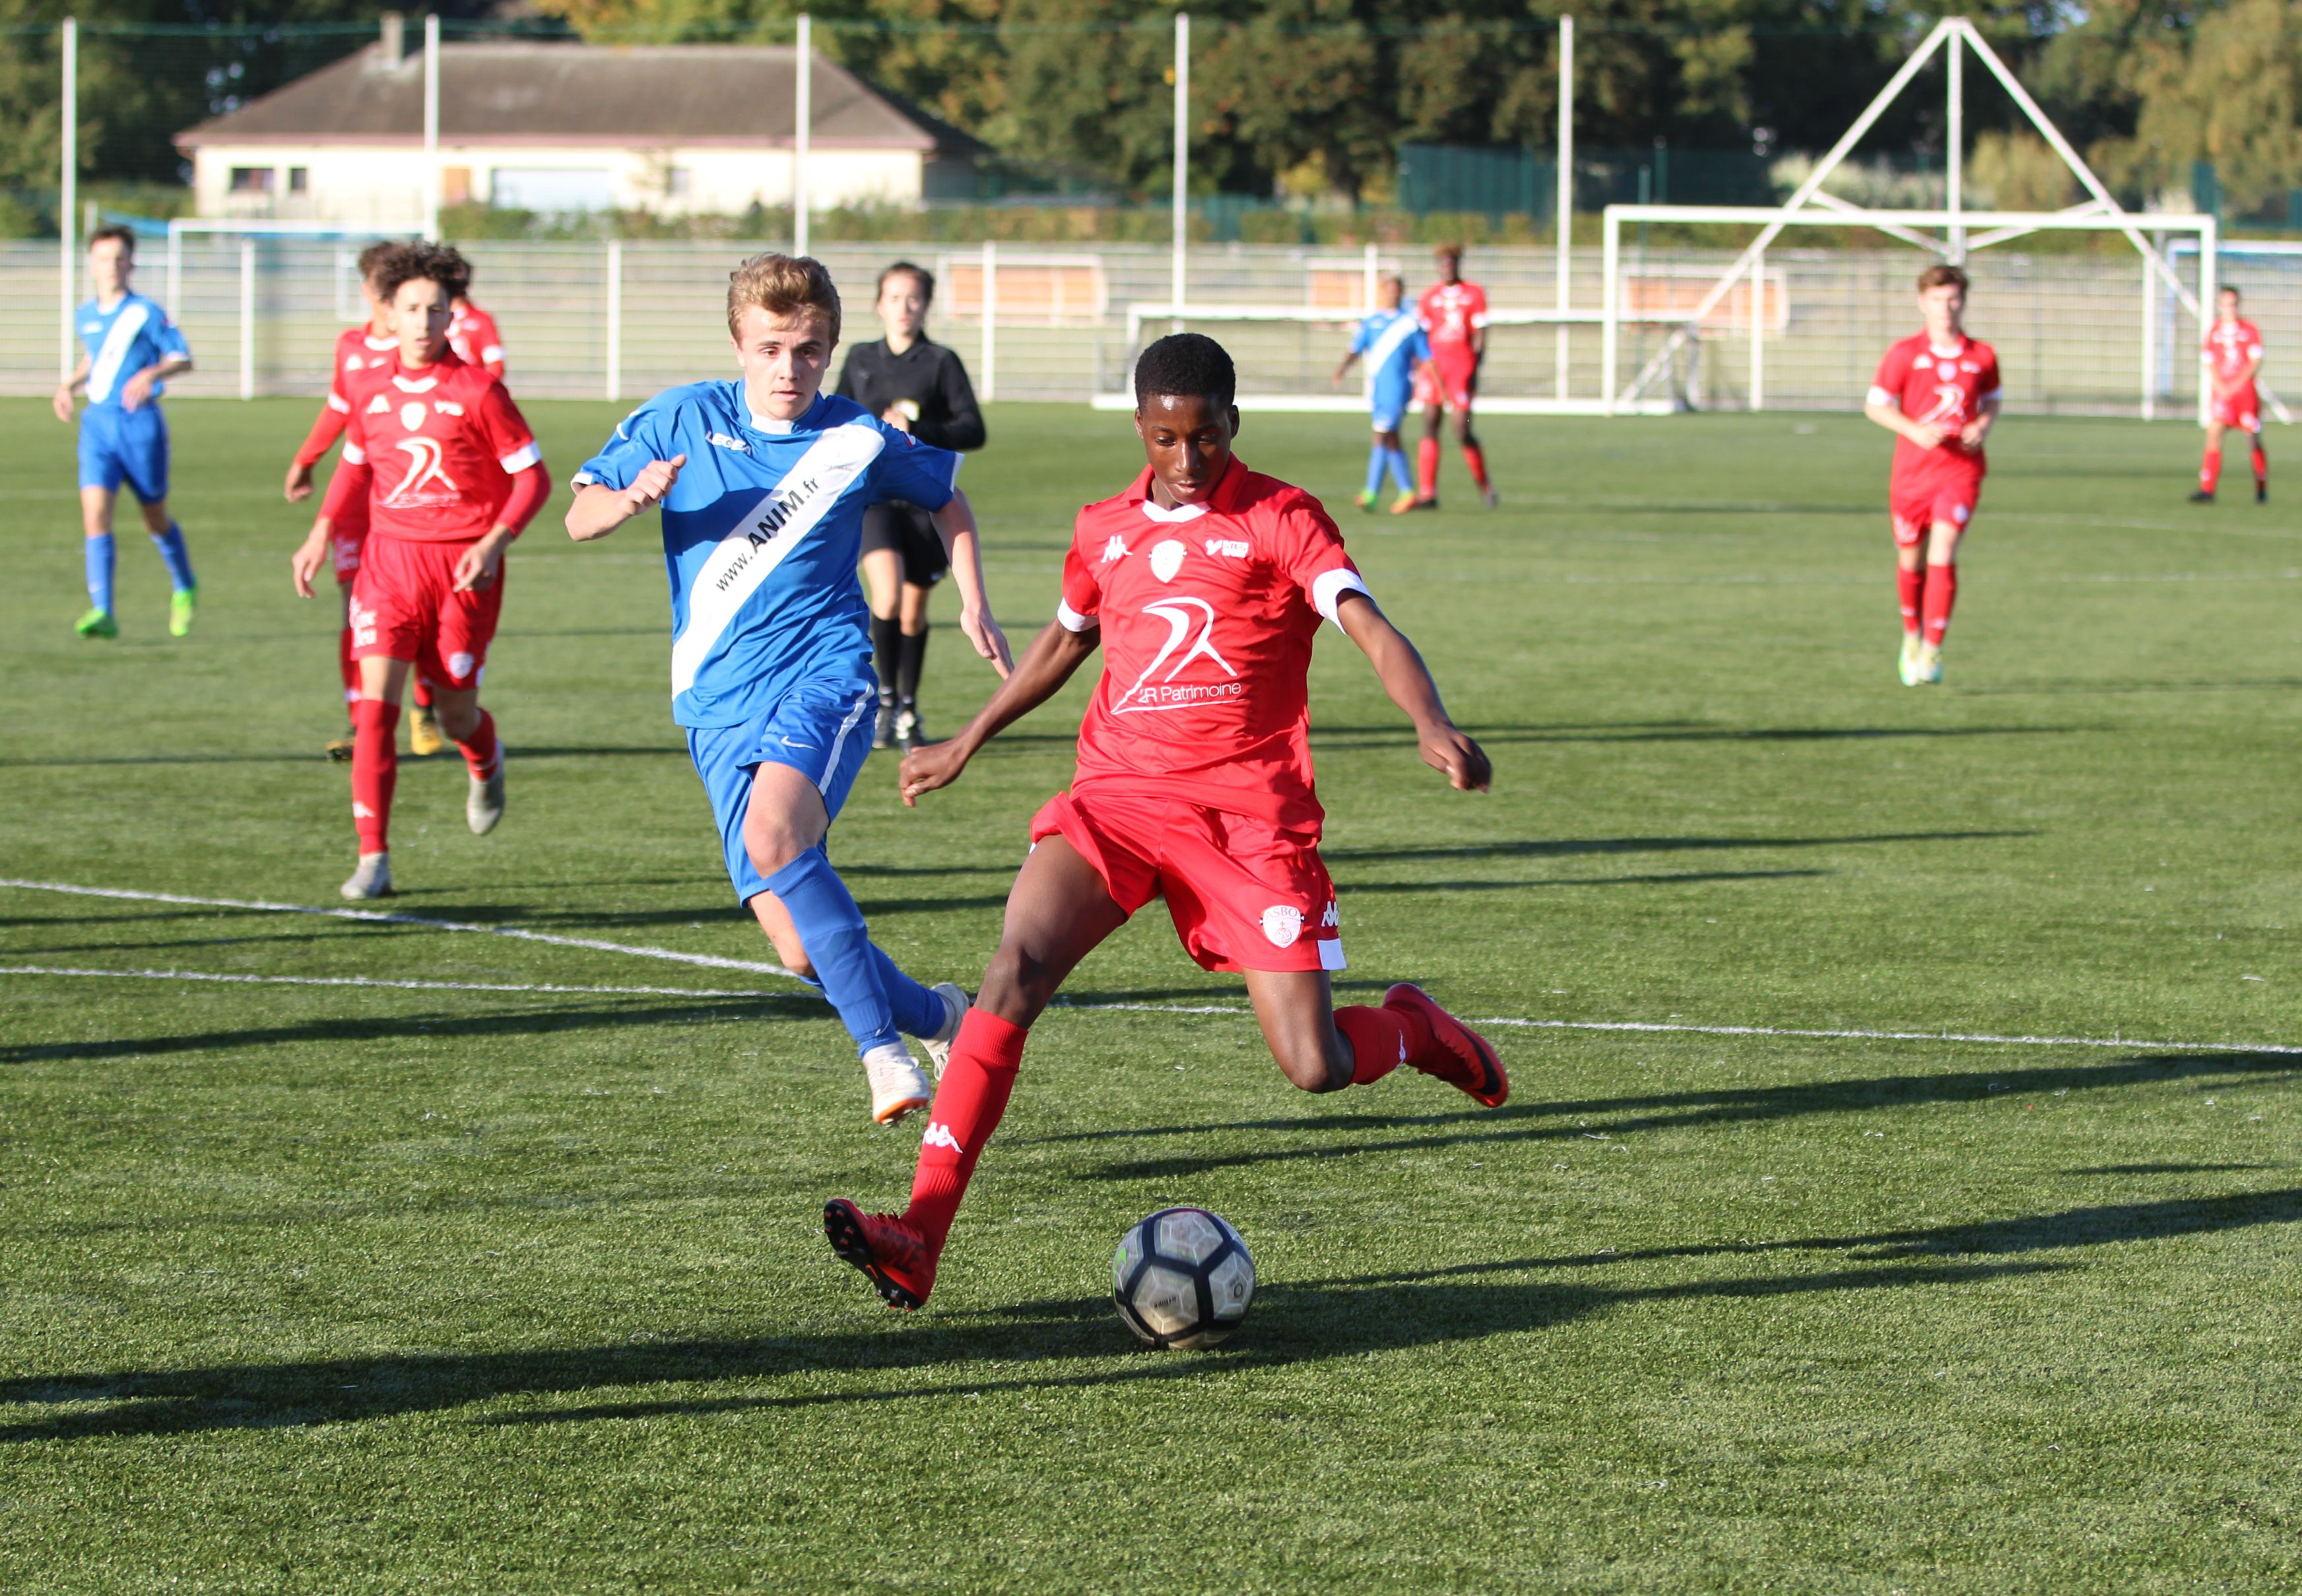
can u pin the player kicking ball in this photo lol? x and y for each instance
(1205, 584)
(450, 473)
(2233, 347)
(764, 482)
(133, 348)
(1938, 392)
(369, 347)
(1396, 351)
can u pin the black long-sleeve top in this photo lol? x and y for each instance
(927, 377)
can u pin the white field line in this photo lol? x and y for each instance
(363, 981)
(377, 917)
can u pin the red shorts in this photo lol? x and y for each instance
(1916, 506)
(404, 605)
(2240, 409)
(1447, 380)
(1244, 894)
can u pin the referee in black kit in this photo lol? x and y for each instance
(907, 382)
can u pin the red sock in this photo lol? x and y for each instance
(484, 754)
(419, 689)
(1942, 592)
(375, 768)
(1913, 584)
(1427, 467)
(2261, 465)
(350, 669)
(969, 1102)
(2210, 470)
(1476, 457)
(1378, 1039)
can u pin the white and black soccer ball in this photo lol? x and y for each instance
(1182, 1278)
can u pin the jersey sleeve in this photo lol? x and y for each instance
(2254, 349)
(639, 439)
(911, 472)
(1894, 374)
(1478, 305)
(1419, 349)
(487, 344)
(506, 431)
(167, 338)
(1082, 600)
(961, 424)
(1308, 548)
(1987, 384)
(1361, 336)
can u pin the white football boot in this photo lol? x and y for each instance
(485, 805)
(1929, 666)
(373, 879)
(954, 1009)
(897, 1086)
(1908, 668)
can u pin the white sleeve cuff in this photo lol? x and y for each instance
(1328, 588)
(494, 351)
(1878, 396)
(354, 455)
(1994, 394)
(1072, 620)
(522, 458)
(339, 403)
(581, 481)
(1480, 320)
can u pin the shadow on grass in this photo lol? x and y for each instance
(1074, 1342)
(1571, 847)
(1667, 1110)
(1403, 736)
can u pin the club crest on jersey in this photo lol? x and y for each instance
(1166, 560)
(411, 416)
(1282, 923)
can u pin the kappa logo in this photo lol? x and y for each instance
(940, 1135)
(361, 812)
(1282, 923)
(379, 406)
(1167, 558)
(1116, 548)
(722, 441)
(1330, 920)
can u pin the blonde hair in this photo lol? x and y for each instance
(782, 285)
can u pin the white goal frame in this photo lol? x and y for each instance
(1810, 207)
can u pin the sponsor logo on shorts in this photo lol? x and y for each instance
(460, 664)
(1282, 923)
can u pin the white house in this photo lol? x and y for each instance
(552, 126)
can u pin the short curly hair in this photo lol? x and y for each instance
(782, 285)
(1186, 363)
(438, 262)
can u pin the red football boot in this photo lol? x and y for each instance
(1457, 1056)
(897, 1258)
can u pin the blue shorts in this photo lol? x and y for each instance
(128, 446)
(1389, 402)
(820, 730)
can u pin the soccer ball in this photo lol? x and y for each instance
(1182, 1278)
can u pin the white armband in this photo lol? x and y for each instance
(354, 455)
(1328, 588)
(519, 459)
(1879, 395)
(338, 403)
(1072, 620)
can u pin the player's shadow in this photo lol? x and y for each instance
(1403, 736)
(1351, 889)
(1575, 847)
(1609, 1117)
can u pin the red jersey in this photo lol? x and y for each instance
(1450, 312)
(441, 444)
(1942, 387)
(357, 350)
(472, 334)
(1208, 613)
(2231, 346)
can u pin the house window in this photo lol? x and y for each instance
(252, 180)
(455, 185)
(299, 179)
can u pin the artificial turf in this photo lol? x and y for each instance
(359, 1288)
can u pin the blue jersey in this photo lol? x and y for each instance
(122, 341)
(1394, 345)
(761, 535)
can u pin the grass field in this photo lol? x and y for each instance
(364, 1288)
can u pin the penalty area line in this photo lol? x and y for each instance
(363, 981)
(378, 917)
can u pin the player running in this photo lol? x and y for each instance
(916, 386)
(369, 347)
(451, 473)
(1206, 582)
(1938, 392)
(472, 331)
(133, 348)
(2233, 349)
(1396, 352)
(763, 483)
(1454, 316)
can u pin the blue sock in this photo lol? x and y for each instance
(1399, 473)
(917, 1011)
(175, 556)
(99, 571)
(1376, 456)
(831, 928)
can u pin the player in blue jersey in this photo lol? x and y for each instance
(764, 482)
(132, 347)
(1394, 342)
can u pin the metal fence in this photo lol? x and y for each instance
(620, 321)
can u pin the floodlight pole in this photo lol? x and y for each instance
(1182, 223)
(432, 125)
(804, 124)
(67, 200)
(1566, 186)
(1953, 163)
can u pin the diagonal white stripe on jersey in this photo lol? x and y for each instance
(1387, 342)
(771, 529)
(103, 371)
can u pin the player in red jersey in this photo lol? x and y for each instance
(451, 473)
(1454, 316)
(1204, 582)
(2233, 357)
(472, 331)
(1938, 392)
(368, 347)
